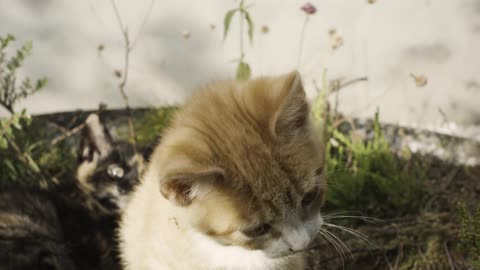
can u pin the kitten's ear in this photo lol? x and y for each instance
(293, 111)
(95, 140)
(182, 188)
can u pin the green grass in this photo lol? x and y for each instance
(367, 177)
(152, 124)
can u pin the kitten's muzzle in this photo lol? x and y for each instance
(109, 202)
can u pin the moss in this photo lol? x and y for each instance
(470, 234)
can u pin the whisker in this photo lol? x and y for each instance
(326, 244)
(342, 212)
(335, 244)
(339, 251)
(363, 218)
(332, 171)
(365, 240)
(340, 242)
(312, 174)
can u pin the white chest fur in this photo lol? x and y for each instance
(230, 257)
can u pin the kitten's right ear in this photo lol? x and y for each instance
(182, 188)
(96, 140)
(292, 112)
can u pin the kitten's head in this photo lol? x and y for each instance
(244, 165)
(108, 170)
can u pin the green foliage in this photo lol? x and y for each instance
(227, 21)
(245, 15)
(8, 140)
(20, 144)
(8, 125)
(470, 234)
(367, 177)
(243, 69)
(320, 103)
(152, 124)
(249, 20)
(364, 175)
(29, 159)
(10, 91)
(25, 155)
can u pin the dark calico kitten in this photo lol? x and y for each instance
(108, 170)
(30, 232)
(89, 206)
(73, 225)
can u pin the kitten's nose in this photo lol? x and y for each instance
(109, 202)
(298, 239)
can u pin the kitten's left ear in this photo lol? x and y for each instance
(293, 111)
(95, 140)
(181, 188)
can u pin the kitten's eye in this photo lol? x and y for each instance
(309, 198)
(258, 230)
(115, 171)
(319, 172)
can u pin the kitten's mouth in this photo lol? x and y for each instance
(310, 247)
(293, 252)
(109, 203)
(282, 255)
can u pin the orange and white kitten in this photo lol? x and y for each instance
(235, 184)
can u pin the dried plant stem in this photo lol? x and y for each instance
(121, 85)
(350, 82)
(450, 261)
(67, 134)
(7, 107)
(242, 50)
(302, 37)
(144, 22)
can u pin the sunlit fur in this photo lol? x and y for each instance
(236, 156)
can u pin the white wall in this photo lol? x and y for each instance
(385, 41)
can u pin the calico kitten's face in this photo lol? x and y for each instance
(245, 167)
(108, 170)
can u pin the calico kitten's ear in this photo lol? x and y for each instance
(293, 112)
(182, 188)
(96, 140)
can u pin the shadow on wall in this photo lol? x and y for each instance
(51, 36)
(472, 8)
(186, 58)
(473, 117)
(64, 51)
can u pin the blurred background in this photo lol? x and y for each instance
(420, 58)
